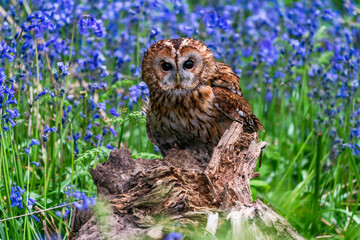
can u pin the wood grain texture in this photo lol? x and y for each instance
(140, 190)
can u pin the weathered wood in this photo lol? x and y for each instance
(187, 191)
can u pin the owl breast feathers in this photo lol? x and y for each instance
(193, 99)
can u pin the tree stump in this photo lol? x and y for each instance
(214, 199)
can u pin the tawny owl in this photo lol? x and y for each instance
(193, 99)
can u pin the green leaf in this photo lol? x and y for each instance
(91, 154)
(146, 156)
(260, 183)
(325, 57)
(136, 115)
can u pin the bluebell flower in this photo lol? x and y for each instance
(34, 217)
(99, 139)
(70, 97)
(89, 23)
(49, 129)
(355, 148)
(76, 137)
(173, 236)
(66, 112)
(88, 135)
(269, 96)
(112, 131)
(45, 137)
(103, 73)
(42, 93)
(15, 196)
(102, 85)
(13, 113)
(85, 202)
(118, 75)
(34, 142)
(9, 91)
(10, 101)
(31, 201)
(102, 106)
(144, 88)
(6, 51)
(39, 22)
(268, 52)
(27, 150)
(136, 92)
(156, 149)
(63, 11)
(187, 30)
(65, 215)
(114, 112)
(63, 68)
(110, 146)
(213, 20)
(11, 122)
(135, 70)
(71, 192)
(246, 51)
(2, 76)
(355, 132)
(315, 70)
(35, 163)
(154, 31)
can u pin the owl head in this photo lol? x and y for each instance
(178, 65)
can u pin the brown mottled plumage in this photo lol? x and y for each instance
(193, 99)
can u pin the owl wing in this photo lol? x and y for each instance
(149, 133)
(227, 78)
(229, 99)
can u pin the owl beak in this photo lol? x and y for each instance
(178, 78)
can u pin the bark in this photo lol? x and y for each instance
(215, 199)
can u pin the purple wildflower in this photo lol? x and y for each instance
(114, 112)
(15, 196)
(173, 236)
(63, 68)
(34, 142)
(36, 164)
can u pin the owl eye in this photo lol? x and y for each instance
(166, 66)
(189, 64)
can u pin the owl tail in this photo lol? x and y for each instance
(252, 124)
